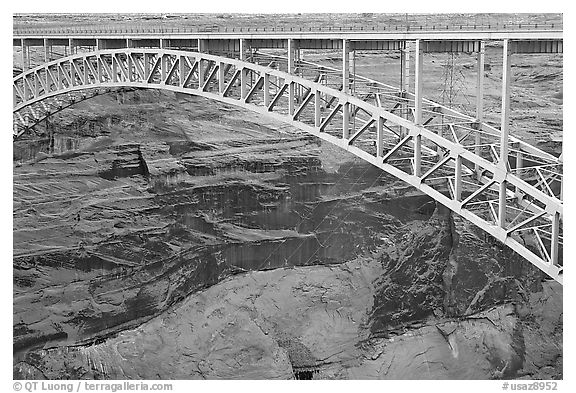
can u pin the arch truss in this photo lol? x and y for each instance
(450, 156)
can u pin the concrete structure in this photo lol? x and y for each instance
(509, 188)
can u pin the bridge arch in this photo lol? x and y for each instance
(522, 214)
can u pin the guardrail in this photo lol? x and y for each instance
(144, 29)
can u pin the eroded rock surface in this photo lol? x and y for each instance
(209, 243)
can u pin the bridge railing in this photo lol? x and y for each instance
(162, 29)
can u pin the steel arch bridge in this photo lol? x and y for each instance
(508, 188)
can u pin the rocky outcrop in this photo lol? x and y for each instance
(412, 287)
(122, 230)
(214, 247)
(305, 322)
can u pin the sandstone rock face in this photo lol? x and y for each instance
(178, 238)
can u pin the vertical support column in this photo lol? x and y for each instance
(345, 66)
(346, 120)
(418, 83)
(477, 149)
(276, 82)
(71, 46)
(561, 161)
(502, 205)
(353, 85)
(290, 46)
(114, 69)
(297, 70)
(146, 66)
(291, 95)
(99, 67)
(317, 108)
(221, 75)
(99, 45)
(72, 72)
(506, 76)
(406, 70)
(402, 68)
(554, 242)
(353, 67)
(23, 46)
(58, 77)
(36, 85)
(380, 137)
(291, 50)
(479, 102)
(324, 81)
(458, 179)
(266, 88)
(243, 83)
(129, 67)
(163, 68)
(242, 56)
(86, 74)
(181, 71)
(25, 91)
(46, 51)
(47, 81)
(405, 83)
(249, 81)
(161, 43)
(519, 166)
(418, 155)
(200, 72)
(480, 83)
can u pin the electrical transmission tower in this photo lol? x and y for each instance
(453, 93)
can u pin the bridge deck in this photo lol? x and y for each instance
(496, 33)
